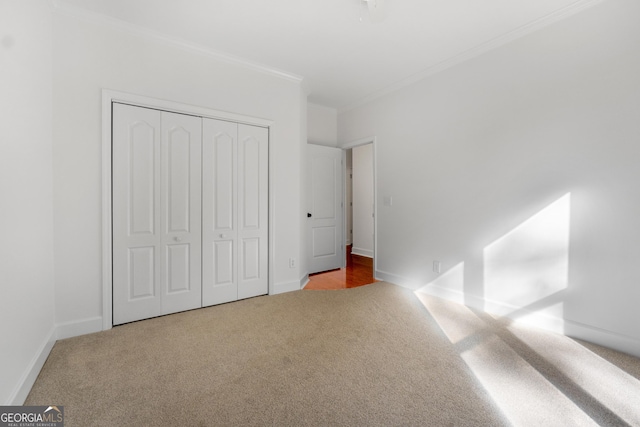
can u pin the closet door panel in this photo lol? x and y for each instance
(181, 220)
(251, 259)
(224, 182)
(141, 185)
(178, 272)
(178, 180)
(141, 280)
(219, 210)
(137, 263)
(253, 187)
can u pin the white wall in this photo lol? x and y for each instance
(480, 158)
(322, 125)
(362, 196)
(90, 56)
(26, 206)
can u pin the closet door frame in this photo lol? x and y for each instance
(108, 98)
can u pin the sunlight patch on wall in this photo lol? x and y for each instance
(531, 262)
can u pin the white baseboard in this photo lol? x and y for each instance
(281, 288)
(30, 375)
(304, 281)
(544, 321)
(570, 328)
(395, 279)
(59, 331)
(362, 252)
(79, 327)
(603, 337)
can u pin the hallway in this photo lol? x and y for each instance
(358, 272)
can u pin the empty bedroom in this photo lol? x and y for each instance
(176, 178)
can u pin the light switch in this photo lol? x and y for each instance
(387, 200)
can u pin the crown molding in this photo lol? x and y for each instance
(487, 46)
(118, 24)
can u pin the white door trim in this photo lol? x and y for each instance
(357, 143)
(110, 96)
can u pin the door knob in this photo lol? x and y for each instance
(221, 235)
(308, 215)
(178, 239)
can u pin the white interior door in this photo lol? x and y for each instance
(181, 212)
(325, 213)
(235, 211)
(219, 212)
(253, 215)
(136, 214)
(156, 213)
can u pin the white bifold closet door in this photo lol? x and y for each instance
(234, 211)
(156, 213)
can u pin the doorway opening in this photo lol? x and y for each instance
(358, 272)
(360, 221)
(360, 212)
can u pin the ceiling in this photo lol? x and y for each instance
(343, 56)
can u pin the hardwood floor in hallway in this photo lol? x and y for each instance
(358, 272)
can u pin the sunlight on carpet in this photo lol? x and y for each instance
(532, 376)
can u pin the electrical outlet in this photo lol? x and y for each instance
(436, 267)
(292, 263)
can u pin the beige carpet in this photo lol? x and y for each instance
(374, 355)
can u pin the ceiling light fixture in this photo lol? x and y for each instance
(376, 10)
